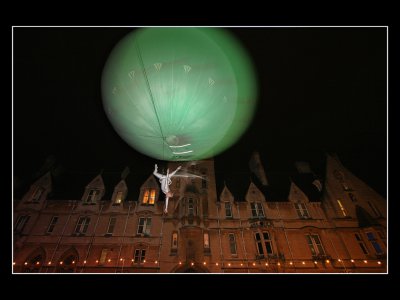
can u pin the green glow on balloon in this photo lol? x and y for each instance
(179, 93)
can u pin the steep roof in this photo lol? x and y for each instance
(364, 218)
(305, 182)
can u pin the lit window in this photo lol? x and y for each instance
(144, 226)
(92, 195)
(52, 224)
(174, 244)
(37, 194)
(342, 209)
(228, 210)
(232, 243)
(82, 225)
(149, 196)
(375, 244)
(315, 244)
(301, 210)
(206, 239)
(21, 222)
(111, 225)
(140, 255)
(119, 197)
(256, 210)
(361, 243)
(152, 196)
(103, 256)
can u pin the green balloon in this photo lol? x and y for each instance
(179, 94)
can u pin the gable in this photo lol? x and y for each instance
(44, 181)
(254, 193)
(121, 186)
(296, 194)
(151, 182)
(226, 195)
(96, 183)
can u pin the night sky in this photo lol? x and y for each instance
(320, 90)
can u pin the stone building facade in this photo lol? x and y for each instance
(332, 225)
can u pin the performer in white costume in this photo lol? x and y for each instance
(165, 181)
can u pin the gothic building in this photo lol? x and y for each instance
(116, 224)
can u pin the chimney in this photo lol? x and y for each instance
(257, 168)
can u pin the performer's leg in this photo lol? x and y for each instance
(166, 204)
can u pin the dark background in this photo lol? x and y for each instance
(320, 90)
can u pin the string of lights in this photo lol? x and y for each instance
(228, 263)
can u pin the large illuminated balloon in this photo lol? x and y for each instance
(179, 93)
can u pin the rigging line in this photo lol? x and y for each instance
(151, 94)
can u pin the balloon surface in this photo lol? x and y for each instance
(179, 94)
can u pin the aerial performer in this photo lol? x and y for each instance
(165, 181)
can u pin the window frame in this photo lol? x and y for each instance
(191, 209)
(374, 209)
(232, 244)
(262, 242)
(119, 198)
(52, 224)
(374, 242)
(313, 245)
(23, 219)
(103, 255)
(83, 222)
(302, 210)
(144, 228)
(35, 197)
(257, 210)
(149, 197)
(111, 224)
(228, 208)
(92, 195)
(206, 241)
(174, 240)
(361, 243)
(139, 255)
(342, 208)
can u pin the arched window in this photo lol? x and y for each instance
(33, 264)
(68, 262)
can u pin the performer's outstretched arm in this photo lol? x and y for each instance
(158, 175)
(173, 173)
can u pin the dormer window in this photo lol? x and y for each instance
(118, 198)
(37, 194)
(92, 195)
(257, 210)
(228, 210)
(301, 210)
(149, 197)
